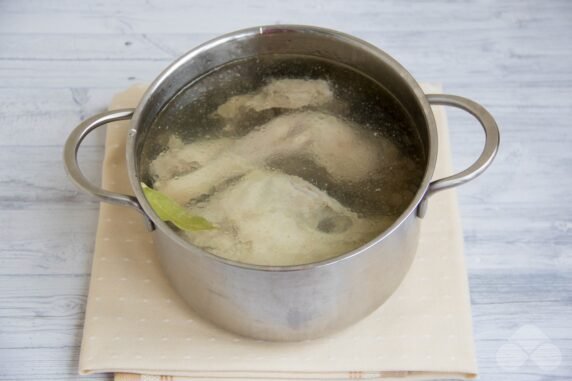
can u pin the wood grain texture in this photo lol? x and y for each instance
(61, 61)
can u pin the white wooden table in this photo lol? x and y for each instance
(61, 61)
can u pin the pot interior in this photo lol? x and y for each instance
(264, 46)
(370, 89)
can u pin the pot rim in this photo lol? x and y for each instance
(378, 53)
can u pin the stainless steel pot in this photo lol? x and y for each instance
(294, 302)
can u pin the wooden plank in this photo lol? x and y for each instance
(120, 74)
(39, 177)
(179, 16)
(47, 116)
(45, 247)
(528, 45)
(61, 74)
(57, 363)
(40, 326)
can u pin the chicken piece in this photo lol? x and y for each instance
(329, 141)
(180, 158)
(270, 218)
(279, 93)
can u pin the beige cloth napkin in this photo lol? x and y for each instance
(137, 326)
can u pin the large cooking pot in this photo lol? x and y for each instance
(291, 302)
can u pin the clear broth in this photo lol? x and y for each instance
(359, 99)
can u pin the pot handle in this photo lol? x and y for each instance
(74, 172)
(492, 141)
